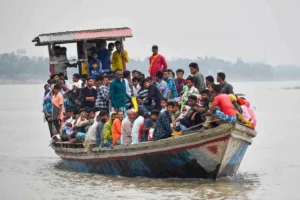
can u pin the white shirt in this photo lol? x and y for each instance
(136, 90)
(61, 66)
(128, 89)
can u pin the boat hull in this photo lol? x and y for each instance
(212, 155)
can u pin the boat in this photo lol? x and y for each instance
(211, 154)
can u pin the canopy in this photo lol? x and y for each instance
(75, 36)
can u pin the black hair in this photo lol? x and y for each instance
(139, 72)
(76, 111)
(135, 71)
(221, 75)
(99, 78)
(164, 99)
(141, 112)
(57, 86)
(117, 42)
(111, 76)
(176, 104)
(84, 76)
(49, 81)
(194, 65)
(142, 75)
(171, 103)
(105, 76)
(190, 78)
(155, 112)
(89, 78)
(95, 53)
(45, 86)
(134, 79)
(179, 71)
(76, 75)
(117, 70)
(204, 91)
(173, 73)
(159, 75)
(126, 74)
(96, 109)
(192, 97)
(165, 70)
(169, 70)
(60, 74)
(53, 81)
(102, 113)
(149, 78)
(143, 81)
(111, 44)
(217, 88)
(57, 48)
(154, 47)
(210, 78)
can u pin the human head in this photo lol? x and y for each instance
(163, 102)
(95, 55)
(119, 74)
(55, 77)
(57, 50)
(166, 74)
(105, 80)
(155, 49)
(189, 81)
(103, 44)
(192, 100)
(70, 113)
(63, 51)
(170, 106)
(103, 116)
(113, 116)
(118, 45)
(131, 114)
(179, 73)
(135, 81)
(159, 76)
(61, 76)
(111, 46)
(56, 89)
(91, 114)
(141, 76)
(204, 94)
(141, 112)
(149, 79)
(209, 79)
(216, 89)
(94, 65)
(127, 74)
(99, 80)
(76, 77)
(193, 68)
(90, 82)
(120, 115)
(221, 77)
(154, 115)
(145, 84)
(176, 106)
(135, 74)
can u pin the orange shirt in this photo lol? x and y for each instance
(116, 130)
(58, 100)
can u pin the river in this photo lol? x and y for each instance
(29, 169)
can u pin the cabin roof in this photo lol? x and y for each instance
(75, 36)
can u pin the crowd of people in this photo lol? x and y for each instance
(114, 106)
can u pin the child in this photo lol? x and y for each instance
(163, 104)
(95, 70)
(149, 124)
(136, 87)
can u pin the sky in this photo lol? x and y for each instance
(254, 30)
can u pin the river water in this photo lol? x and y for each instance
(29, 169)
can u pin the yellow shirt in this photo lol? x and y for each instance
(117, 60)
(84, 68)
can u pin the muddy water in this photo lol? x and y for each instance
(29, 169)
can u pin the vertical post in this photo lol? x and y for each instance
(79, 51)
(86, 55)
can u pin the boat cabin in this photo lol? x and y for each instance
(86, 40)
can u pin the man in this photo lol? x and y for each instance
(76, 79)
(61, 61)
(119, 58)
(57, 107)
(179, 81)
(157, 62)
(163, 125)
(102, 119)
(116, 129)
(135, 74)
(102, 93)
(118, 93)
(226, 88)
(171, 85)
(135, 86)
(226, 111)
(209, 80)
(162, 85)
(189, 119)
(88, 94)
(104, 56)
(127, 125)
(111, 47)
(153, 95)
(128, 84)
(191, 90)
(150, 123)
(198, 77)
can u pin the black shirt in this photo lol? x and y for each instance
(86, 92)
(154, 95)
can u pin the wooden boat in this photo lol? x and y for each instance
(211, 154)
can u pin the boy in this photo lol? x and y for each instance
(101, 119)
(135, 86)
(150, 123)
(163, 104)
(135, 74)
(179, 81)
(162, 85)
(95, 70)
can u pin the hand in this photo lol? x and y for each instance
(199, 109)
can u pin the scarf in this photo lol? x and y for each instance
(152, 62)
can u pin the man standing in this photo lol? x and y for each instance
(119, 58)
(104, 56)
(60, 60)
(171, 85)
(198, 77)
(111, 47)
(157, 62)
(179, 80)
(102, 93)
(57, 107)
(88, 94)
(118, 93)
(226, 88)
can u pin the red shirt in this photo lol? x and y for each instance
(223, 101)
(158, 65)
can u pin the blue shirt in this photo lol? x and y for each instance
(171, 85)
(163, 85)
(104, 57)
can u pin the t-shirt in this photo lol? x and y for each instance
(60, 67)
(224, 102)
(86, 92)
(58, 100)
(104, 57)
(163, 85)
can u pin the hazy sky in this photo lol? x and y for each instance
(255, 30)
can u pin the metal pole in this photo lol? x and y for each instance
(86, 55)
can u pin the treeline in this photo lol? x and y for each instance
(31, 69)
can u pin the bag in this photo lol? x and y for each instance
(134, 103)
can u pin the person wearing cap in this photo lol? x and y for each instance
(157, 62)
(119, 57)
